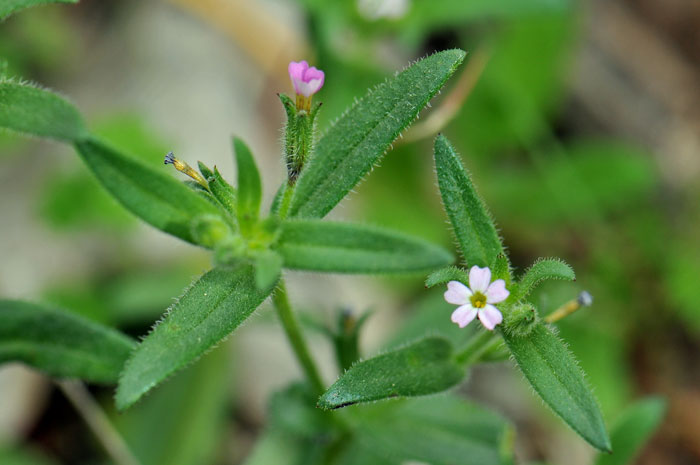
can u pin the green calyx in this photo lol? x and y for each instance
(520, 320)
(299, 135)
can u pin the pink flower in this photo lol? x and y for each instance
(307, 81)
(477, 299)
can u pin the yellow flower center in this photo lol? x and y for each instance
(478, 300)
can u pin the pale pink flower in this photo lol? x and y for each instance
(477, 299)
(306, 81)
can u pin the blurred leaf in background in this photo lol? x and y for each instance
(183, 422)
(133, 296)
(25, 456)
(73, 199)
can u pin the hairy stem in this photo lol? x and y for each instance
(286, 200)
(476, 347)
(97, 421)
(291, 327)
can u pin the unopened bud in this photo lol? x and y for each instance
(183, 167)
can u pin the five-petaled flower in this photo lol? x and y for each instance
(306, 81)
(477, 299)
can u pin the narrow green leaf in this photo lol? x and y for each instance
(61, 344)
(268, 265)
(208, 312)
(349, 248)
(541, 270)
(632, 430)
(472, 223)
(153, 196)
(8, 7)
(38, 112)
(223, 191)
(249, 186)
(424, 367)
(447, 274)
(554, 374)
(356, 142)
(440, 430)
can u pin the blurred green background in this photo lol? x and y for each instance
(580, 122)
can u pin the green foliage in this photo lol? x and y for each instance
(182, 422)
(73, 199)
(293, 410)
(632, 430)
(223, 191)
(38, 112)
(280, 448)
(472, 223)
(209, 230)
(509, 112)
(445, 275)
(597, 177)
(554, 375)
(541, 270)
(16, 456)
(348, 248)
(429, 316)
(440, 430)
(8, 7)
(153, 196)
(249, 186)
(268, 266)
(424, 367)
(356, 142)
(61, 344)
(209, 311)
(520, 320)
(501, 269)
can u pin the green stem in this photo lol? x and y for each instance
(286, 200)
(476, 347)
(291, 327)
(97, 421)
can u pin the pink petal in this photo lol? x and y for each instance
(479, 279)
(497, 292)
(312, 74)
(457, 293)
(296, 73)
(463, 315)
(315, 85)
(303, 88)
(490, 316)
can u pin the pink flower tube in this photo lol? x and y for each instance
(306, 81)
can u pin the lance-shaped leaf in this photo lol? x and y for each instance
(38, 112)
(249, 186)
(632, 430)
(209, 311)
(447, 274)
(472, 223)
(424, 367)
(349, 248)
(541, 270)
(8, 7)
(153, 196)
(61, 344)
(440, 430)
(356, 142)
(554, 374)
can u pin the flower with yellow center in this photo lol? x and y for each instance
(477, 299)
